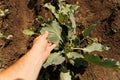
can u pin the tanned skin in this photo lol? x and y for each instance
(29, 66)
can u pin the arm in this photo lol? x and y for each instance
(28, 67)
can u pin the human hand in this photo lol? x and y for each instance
(42, 46)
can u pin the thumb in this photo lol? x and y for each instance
(45, 35)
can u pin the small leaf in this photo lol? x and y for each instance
(9, 37)
(3, 13)
(54, 59)
(88, 30)
(62, 18)
(65, 74)
(73, 55)
(28, 32)
(39, 19)
(76, 41)
(6, 37)
(95, 47)
(1, 35)
(54, 30)
(108, 63)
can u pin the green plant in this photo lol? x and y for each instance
(6, 37)
(4, 12)
(62, 31)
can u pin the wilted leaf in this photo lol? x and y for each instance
(29, 32)
(54, 59)
(54, 30)
(108, 63)
(95, 47)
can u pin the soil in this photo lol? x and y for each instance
(22, 16)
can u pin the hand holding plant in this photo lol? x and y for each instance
(62, 30)
(41, 45)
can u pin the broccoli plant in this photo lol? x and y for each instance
(62, 31)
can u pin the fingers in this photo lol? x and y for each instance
(45, 35)
(52, 47)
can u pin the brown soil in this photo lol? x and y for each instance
(22, 16)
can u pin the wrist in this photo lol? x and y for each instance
(37, 55)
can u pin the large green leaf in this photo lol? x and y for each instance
(108, 63)
(95, 47)
(54, 30)
(54, 59)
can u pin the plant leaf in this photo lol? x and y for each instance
(95, 47)
(39, 19)
(88, 30)
(9, 37)
(65, 12)
(4, 13)
(54, 59)
(54, 30)
(107, 63)
(71, 34)
(1, 35)
(73, 55)
(65, 75)
(28, 32)
(76, 59)
(52, 9)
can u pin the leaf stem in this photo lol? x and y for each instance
(76, 48)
